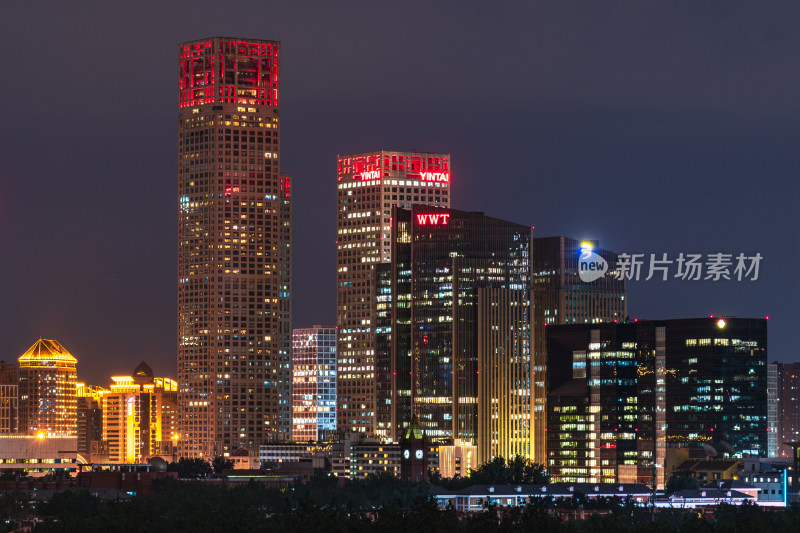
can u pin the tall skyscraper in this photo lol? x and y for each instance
(452, 272)
(234, 257)
(313, 383)
(560, 296)
(368, 186)
(47, 390)
(788, 406)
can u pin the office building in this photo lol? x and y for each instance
(368, 186)
(788, 406)
(313, 383)
(47, 390)
(562, 297)
(234, 256)
(607, 403)
(716, 380)
(451, 271)
(9, 397)
(504, 374)
(622, 394)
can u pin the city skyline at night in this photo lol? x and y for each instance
(685, 142)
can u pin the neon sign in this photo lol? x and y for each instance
(433, 220)
(443, 177)
(370, 175)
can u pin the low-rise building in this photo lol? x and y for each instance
(38, 455)
(472, 499)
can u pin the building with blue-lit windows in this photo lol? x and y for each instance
(621, 393)
(313, 383)
(716, 379)
(562, 297)
(606, 406)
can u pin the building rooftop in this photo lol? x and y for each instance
(47, 350)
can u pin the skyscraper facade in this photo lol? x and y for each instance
(504, 373)
(561, 297)
(47, 390)
(606, 411)
(313, 383)
(368, 186)
(234, 257)
(449, 269)
(716, 380)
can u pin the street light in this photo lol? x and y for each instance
(175, 438)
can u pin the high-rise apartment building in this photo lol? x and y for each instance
(788, 406)
(234, 257)
(47, 390)
(368, 186)
(313, 383)
(773, 400)
(561, 297)
(460, 306)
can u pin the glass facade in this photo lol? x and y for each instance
(716, 379)
(606, 407)
(442, 257)
(561, 297)
(313, 383)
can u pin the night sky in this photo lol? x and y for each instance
(651, 127)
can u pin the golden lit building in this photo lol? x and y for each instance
(138, 416)
(47, 390)
(504, 374)
(90, 423)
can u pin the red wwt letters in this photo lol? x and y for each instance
(433, 220)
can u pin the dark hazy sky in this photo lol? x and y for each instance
(650, 126)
